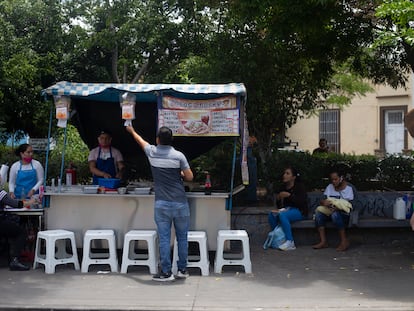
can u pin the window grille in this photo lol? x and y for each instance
(329, 128)
(395, 117)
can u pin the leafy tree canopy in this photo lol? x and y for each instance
(295, 56)
(125, 41)
(396, 31)
(30, 38)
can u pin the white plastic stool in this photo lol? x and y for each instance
(55, 243)
(226, 235)
(90, 258)
(131, 258)
(199, 261)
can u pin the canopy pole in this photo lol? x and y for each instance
(63, 153)
(49, 134)
(229, 205)
(45, 199)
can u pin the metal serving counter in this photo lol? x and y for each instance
(79, 212)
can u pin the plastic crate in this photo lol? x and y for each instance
(111, 183)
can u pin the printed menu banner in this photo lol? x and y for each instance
(213, 117)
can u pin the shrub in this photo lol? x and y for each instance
(366, 172)
(396, 172)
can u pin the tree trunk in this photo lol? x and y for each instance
(114, 64)
(140, 72)
(125, 75)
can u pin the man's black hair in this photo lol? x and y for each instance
(165, 136)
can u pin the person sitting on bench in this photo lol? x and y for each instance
(335, 207)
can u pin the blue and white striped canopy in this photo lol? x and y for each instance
(143, 92)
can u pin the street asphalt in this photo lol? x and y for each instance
(366, 277)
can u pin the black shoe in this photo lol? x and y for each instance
(163, 277)
(16, 265)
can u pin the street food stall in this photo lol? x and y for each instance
(200, 116)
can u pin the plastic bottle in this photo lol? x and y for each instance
(207, 185)
(53, 185)
(399, 211)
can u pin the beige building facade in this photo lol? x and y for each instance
(373, 124)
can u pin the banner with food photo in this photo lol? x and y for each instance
(212, 117)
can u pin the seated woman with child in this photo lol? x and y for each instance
(335, 207)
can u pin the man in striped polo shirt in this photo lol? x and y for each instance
(169, 168)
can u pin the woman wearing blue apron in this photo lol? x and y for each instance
(26, 175)
(105, 161)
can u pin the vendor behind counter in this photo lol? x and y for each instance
(104, 160)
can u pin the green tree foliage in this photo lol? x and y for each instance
(295, 56)
(396, 31)
(30, 37)
(75, 154)
(345, 86)
(124, 41)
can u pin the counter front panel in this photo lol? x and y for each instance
(81, 212)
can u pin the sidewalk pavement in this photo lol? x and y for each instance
(366, 277)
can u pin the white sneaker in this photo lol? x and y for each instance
(163, 277)
(182, 274)
(288, 246)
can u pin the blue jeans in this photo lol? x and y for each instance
(338, 218)
(291, 214)
(166, 213)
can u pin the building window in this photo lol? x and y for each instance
(395, 117)
(329, 128)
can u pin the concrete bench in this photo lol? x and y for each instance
(370, 210)
(371, 222)
(373, 212)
